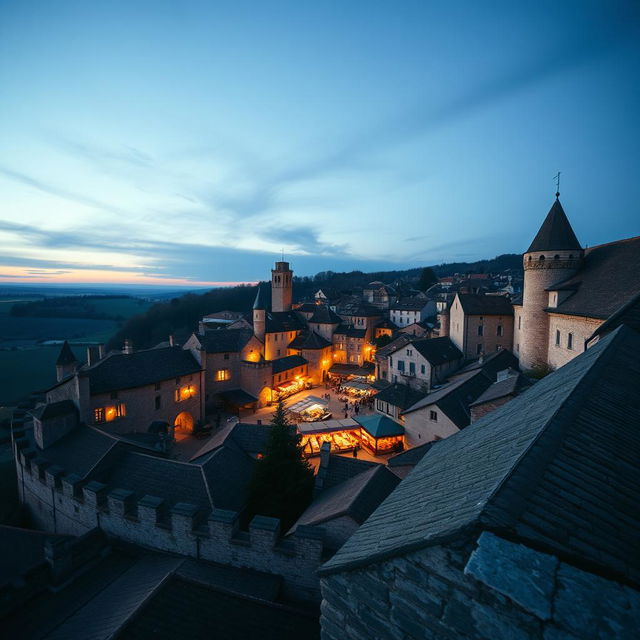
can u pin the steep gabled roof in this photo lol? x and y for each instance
(477, 304)
(225, 340)
(437, 350)
(287, 363)
(66, 355)
(281, 321)
(628, 314)
(54, 410)
(557, 468)
(350, 331)
(309, 340)
(323, 315)
(140, 368)
(400, 395)
(260, 301)
(556, 233)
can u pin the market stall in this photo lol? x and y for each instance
(344, 435)
(380, 434)
(310, 409)
(287, 389)
(357, 389)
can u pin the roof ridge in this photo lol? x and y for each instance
(608, 244)
(580, 388)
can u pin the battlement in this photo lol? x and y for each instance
(63, 502)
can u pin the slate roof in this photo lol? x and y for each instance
(556, 468)
(341, 468)
(287, 363)
(250, 438)
(309, 340)
(281, 321)
(238, 397)
(556, 233)
(225, 340)
(509, 386)
(492, 363)
(66, 355)
(357, 497)
(345, 369)
(140, 368)
(408, 305)
(323, 315)
(307, 307)
(402, 340)
(410, 457)
(350, 331)
(628, 314)
(608, 278)
(366, 311)
(454, 398)
(54, 410)
(477, 304)
(400, 395)
(437, 351)
(380, 426)
(260, 301)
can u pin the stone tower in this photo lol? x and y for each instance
(554, 255)
(259, 315)
(281, 287)
(67, 363)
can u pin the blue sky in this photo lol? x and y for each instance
(189, 142)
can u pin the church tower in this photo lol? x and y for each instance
(554, 255)
(281, 287)
(259, 315)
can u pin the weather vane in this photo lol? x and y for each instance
(557, 179)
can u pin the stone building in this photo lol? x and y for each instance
(480, 324)
(569, 291)
(508, 528)
(411, 311)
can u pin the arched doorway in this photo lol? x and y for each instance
(184, 422)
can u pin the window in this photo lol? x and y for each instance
(499, 330)
(108, 414)
(557, 337)
(158, 385)
(479, 349)
(519, 322)
(412, 368)
(518, 347)
(400, 365)
(221, 375)
(158, 402)
(98, 415)
(409, 352)
(480, 330)
(422, 369)
(226, 356)
(541, 258)
(184, 393)
(433, 416)
(570, 341)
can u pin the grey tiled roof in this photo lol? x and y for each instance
(309, 340)
(287, 363)
(437, 350)
(555, 233)
(400, 395)
(509, 386)
(323, 315)
(350, 331)
(141, 368)
(225, 340)
(628, 314)
(341, 468)
(557, 467)
(280, 321)
(54, 409)
(410, 456)
(492, 363)
(608, 278)
(357, 497)
(477, 304)
(66, 355)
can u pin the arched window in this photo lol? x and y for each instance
(556, 257)
(541, 258)
(529, 258)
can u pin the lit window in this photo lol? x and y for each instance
(184, 393)
(114, 412)
(222, 374)
(98, 415)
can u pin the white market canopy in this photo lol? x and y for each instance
(310, 402)
(354, 384)
(312, 428)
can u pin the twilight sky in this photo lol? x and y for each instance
(189, 142)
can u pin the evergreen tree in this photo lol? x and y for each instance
(427, 278)
(282, 481)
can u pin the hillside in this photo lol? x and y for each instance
(180, 316)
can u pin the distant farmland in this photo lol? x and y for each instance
(26, 364)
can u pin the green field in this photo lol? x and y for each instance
(27, 365)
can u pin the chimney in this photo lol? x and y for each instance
(325, 454)
(171, 341)
(128, 346)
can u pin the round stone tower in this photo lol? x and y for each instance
(281, 287)
(259, 315)
(554, 255)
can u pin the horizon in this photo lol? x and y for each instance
(188, 145)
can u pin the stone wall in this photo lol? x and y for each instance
(63, 503)
(581, 328)
(488, 589)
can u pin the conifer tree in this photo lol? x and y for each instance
(282, 481)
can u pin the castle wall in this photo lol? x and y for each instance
(65, 504)
(580, 327)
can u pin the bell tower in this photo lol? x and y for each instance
(281, 287)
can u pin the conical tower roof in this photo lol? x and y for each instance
(556, 233)
(259, 302)
(66, 355)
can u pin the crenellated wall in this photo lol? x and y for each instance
(64, 503)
